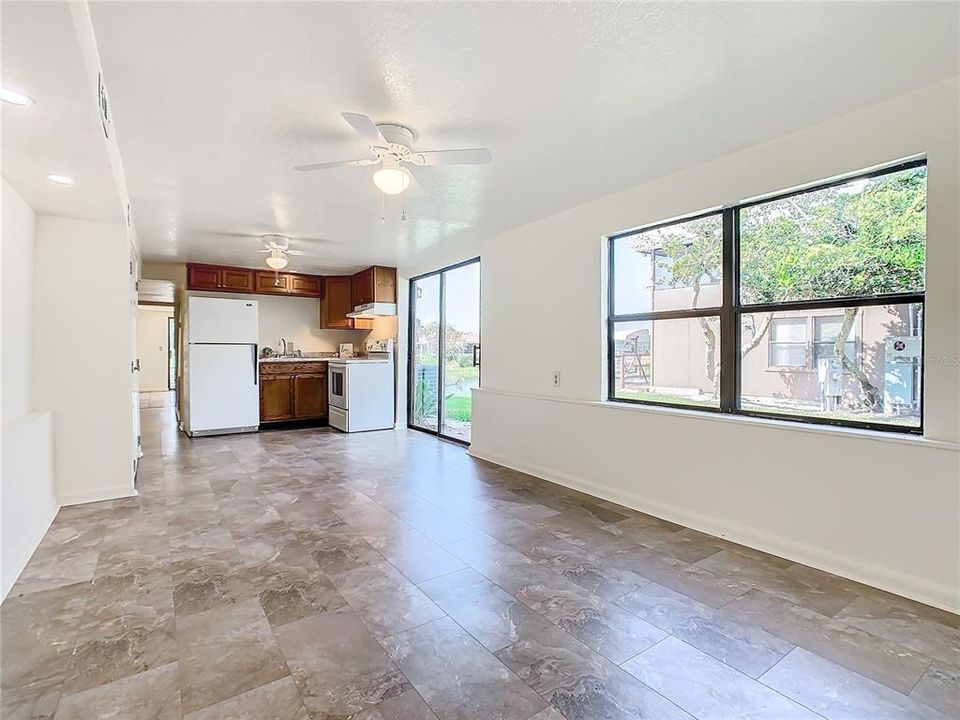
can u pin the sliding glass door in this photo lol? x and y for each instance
(444, 350)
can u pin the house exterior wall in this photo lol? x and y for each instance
(678, 359)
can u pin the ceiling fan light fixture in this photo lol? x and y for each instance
(277, 261)
(392, 180)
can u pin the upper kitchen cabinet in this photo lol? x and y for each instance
(203, 277)
(215, 277)
(337, 302)
(304, 285)
(221, 278)
(375, 284)
(274, 283)
(236, 280)
(271, 283)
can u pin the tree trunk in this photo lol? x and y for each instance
(711, 360)
(757, 335)
(874, 398)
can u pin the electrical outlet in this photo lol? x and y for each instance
(556, 378)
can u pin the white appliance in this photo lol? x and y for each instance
(222, 393)
(361, 392)
(373, 310)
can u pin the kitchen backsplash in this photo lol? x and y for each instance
(296, 320)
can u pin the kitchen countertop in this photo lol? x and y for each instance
(296, 359)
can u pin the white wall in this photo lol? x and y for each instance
(28, 502)
(82, 349)
(17, 293)
(298, 321)
(153, 346)
(879, 510)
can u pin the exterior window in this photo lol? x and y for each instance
(788, 343)
(804, 306)
(826, 330)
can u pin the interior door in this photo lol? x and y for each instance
(444, 350)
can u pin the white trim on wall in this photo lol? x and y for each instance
(676, 472)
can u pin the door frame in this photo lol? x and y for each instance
(411, 344)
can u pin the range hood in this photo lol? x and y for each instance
(373, 310)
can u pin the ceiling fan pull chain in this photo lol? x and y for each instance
(383, 214)
(403, 209)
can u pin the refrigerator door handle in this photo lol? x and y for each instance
(256, 367)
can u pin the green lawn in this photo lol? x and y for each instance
(458, 407)
(704, 401)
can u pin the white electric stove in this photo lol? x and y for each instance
(361, 392)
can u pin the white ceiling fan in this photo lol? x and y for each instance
(390, 146)
(277, 248)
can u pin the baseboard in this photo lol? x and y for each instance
(97, 495)
(910, 586)
(23, 557)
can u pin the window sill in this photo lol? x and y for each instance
(714, 416)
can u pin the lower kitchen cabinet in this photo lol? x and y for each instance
(310, 395)
(276, 398)
(293, 391)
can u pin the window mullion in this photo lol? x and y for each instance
(729, 372)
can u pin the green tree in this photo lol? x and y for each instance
(857, 239)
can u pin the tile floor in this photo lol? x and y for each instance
(309, 574)
(158, 399)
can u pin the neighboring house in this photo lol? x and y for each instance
(783, 369)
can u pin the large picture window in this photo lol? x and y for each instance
(807, 305)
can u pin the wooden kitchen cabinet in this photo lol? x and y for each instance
(310, 395)
(304, 285)
(221, 278)
(337, 302)
(375, 284)
(293, 391)
(203, 277)
(236, 280)
(276, 398)
(216, 277)
(271, 283)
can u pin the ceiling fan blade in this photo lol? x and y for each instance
(304, 253)
(465, 156)
(332, 164)
(366, 128)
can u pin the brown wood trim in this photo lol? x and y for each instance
(289, 368)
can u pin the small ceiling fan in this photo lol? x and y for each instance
(390, 145)
(277, 248)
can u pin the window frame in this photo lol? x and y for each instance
(803, 320)
(854, 341)
(731, 309)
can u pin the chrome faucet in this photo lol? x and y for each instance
(284, 344)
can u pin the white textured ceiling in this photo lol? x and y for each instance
(214, 102)
(60, 134)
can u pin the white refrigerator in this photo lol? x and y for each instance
(222, 391)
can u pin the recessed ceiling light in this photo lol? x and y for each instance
(14, 97)
(60, 179)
